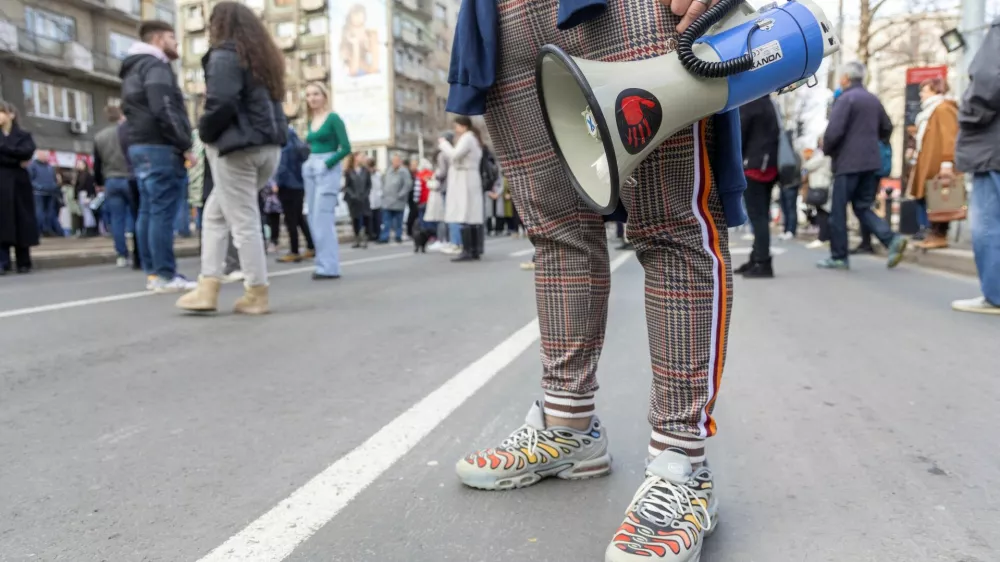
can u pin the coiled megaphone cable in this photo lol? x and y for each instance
(703, 68)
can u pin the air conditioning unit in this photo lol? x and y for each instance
(78, 127)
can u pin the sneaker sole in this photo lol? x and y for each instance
(583, 470)
(976, 310)
(612, 554)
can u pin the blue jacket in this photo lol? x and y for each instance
(473, 69)
(857, 123)
(43, 177)
(293, 155)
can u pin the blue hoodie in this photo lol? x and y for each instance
(473, 69)
(289, 173)
(43, 178)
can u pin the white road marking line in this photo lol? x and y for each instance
(140, 294)
(744, 251)
(520, 253)
(274, 535)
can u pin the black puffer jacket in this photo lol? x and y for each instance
(759, 121)
(239, 111)
(153, 103)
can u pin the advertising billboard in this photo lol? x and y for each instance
(359, 45)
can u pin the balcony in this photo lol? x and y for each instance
(312, 5)
(415, 7)
(411, 107)
(125, 11)
(315, 73)
(410, 37)
(416, 73)
(70, 57)
(195, 88)
(194, 25)
(285, 43)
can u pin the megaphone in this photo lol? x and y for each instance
(604, 118)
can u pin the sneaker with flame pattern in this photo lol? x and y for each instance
(534, 452)
(670, 515)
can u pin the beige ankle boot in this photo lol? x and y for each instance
(253, 301)
(205, 297)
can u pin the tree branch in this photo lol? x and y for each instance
(876, 6)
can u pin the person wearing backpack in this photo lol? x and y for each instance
(464, 203)
(760, 131)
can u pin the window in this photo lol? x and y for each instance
(315, 59)
(194, 12)
(440, 12)
(58, 103)
(114, 102)
(119, 44)
(316, 25)
(256, 5)
(285, 29)
(50, 25)
(164, 12)
(196, 75)
(198, 45)
(284, 3)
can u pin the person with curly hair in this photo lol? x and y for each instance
(243, 129)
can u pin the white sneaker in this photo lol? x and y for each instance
(178, 284)
(786, 236)
(452, 249)
(121, 262)
(151, 281)
(748, 237)
(435, 246)
(233, 277)
(816, 244)
(979, 305)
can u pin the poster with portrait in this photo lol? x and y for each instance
(915, 77)
(359, 46)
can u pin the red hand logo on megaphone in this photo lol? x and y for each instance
(638, 116)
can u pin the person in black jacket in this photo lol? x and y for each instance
(159, 136)
(243, 128)
(759, 122)
(357, 189)
(18, 224)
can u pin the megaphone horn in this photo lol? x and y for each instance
(604, 118)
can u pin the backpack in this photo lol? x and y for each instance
(489, 171)
(885, 149)
(789, 163)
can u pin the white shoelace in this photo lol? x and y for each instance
(662, 501)
(526, 436)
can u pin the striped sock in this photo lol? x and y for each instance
(561, 404)
(693, 447)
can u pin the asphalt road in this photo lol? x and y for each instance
(858, 418)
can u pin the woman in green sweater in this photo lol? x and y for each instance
(328, 144)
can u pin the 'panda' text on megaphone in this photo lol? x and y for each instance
(604, 118)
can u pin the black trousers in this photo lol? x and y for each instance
(758, 200)
(411, 218)
(133, 190)
(823, 222)
(291, 202)
(22, 256)
(274, 223)
(375, 224)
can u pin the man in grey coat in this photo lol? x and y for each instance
(857, 123)
(977, 151)
(397, 189)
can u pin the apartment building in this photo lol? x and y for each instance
(59, 63)
(300, 28)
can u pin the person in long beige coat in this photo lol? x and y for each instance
(464, 201)
(937, 129)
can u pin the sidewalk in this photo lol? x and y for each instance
(958, 258)
(54, 253)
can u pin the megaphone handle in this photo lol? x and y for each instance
(706, 69)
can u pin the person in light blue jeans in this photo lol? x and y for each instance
(159, 169)
(118, 205)
(984, 220)
(322, 195)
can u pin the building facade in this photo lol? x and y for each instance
(59, 63)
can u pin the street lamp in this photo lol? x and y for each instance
(952, 40)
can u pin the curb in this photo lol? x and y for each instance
(102, 256)
(951, 260)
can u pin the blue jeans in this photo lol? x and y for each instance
(455, 233)
(47, 213)
(322, 194)
(922, 219)
(859, 191)
(183, 224)
(984, 221)
(790, 208)
(160, 173)
(118, 206)
(391, 220)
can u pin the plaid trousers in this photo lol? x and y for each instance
(675, 222)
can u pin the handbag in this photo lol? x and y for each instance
(817, 196)
(946, 203)
(97, 202)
